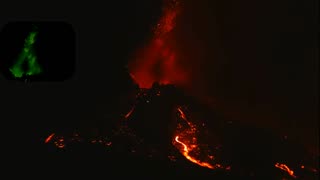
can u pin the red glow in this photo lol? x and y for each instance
(49, 138)
(158, 62)
(186, 141)
(185, 152)
(60, 143)
(129, 113)
(285, 168)
(314, 170)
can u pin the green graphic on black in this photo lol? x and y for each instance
(28, 55)
(37, 51)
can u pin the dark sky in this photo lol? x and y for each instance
(255, 60)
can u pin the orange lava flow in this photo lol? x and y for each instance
(192, 150)
(285, 168)
(49, 138)
(186, 154)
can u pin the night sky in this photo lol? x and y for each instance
(254, 62)
(258, 61)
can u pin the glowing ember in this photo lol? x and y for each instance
(60, 143)
(186, 154)
(285, 168)
(183, 116)
(191, 149)
(129, 113)
(49, 138)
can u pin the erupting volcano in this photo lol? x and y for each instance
(163, 121)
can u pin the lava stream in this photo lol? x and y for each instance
(285, 168)
(190, 144)
(186, 154)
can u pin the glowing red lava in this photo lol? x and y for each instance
(285, 168)
(49, 138)
(190, 145)
(185, 152)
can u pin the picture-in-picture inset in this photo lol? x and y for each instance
(37, 51)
